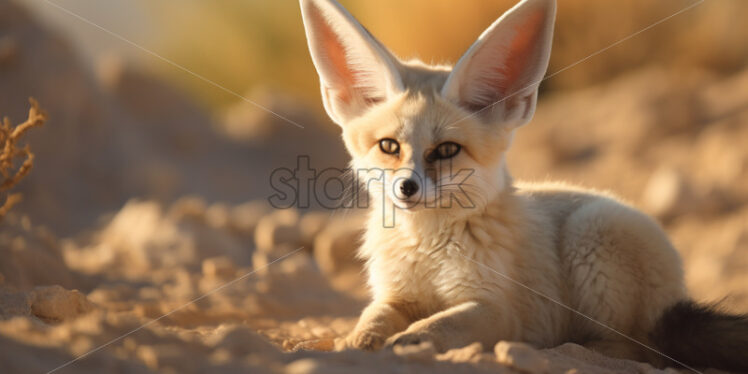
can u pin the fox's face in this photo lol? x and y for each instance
(430, 137)
(420, 151)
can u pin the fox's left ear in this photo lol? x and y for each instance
(499, 75)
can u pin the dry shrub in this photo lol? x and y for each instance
(15, 161)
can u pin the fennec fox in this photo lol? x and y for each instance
(539, 263)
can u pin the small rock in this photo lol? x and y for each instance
(189, 207)
(168, 357)
(219, 267)
(55, 304)
(148, 356)
(217, 216)
(241, 340)
(521, 356)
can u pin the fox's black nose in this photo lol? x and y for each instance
(409, 187)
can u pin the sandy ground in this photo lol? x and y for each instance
(144, 244)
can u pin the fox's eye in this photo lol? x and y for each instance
(444, 151)
(389, 146)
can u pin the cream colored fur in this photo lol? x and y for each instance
(499, 262)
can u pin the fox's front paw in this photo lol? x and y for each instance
(411, 338)
(365, 340)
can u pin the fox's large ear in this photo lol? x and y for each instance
(355, 70)
(499, 75)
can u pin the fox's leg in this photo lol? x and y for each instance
(456, 327)
(378, 321)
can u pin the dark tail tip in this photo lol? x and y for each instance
(703, 336)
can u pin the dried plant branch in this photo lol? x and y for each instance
(11, 154)
(10, 201)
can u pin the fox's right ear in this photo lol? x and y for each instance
(355, 70)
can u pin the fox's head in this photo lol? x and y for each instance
(430, 135)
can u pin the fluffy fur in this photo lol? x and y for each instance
(483, 258)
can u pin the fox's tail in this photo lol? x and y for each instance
(703, 336)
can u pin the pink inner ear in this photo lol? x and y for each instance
(521, 53)
(335, 52)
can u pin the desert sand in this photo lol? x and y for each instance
(145, 243)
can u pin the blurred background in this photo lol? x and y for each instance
(149, 183)
(224, 39)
